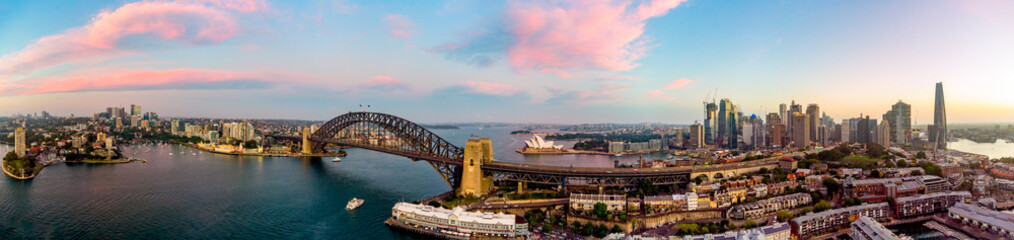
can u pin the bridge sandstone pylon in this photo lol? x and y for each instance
(473, 181)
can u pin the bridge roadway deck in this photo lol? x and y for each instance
(498, 166)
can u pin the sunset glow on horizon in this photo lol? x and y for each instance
(513, 61)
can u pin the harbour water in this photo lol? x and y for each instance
(216, 196)
(998, 149)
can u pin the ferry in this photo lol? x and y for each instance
(336, 159)
(354, 203)
(618, 155)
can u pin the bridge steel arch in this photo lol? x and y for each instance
(418, 142)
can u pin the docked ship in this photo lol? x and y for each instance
(354, 203)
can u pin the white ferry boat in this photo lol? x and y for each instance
(336, 159)
(354, 203)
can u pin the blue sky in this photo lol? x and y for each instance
(513, 61)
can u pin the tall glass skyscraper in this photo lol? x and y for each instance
(938, 132)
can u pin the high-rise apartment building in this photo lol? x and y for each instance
(900, 119)
(938, 131)
(782, 110)
(19, 142)
(884, 133)
(845, 131)
(813, 111)
(800, 130)
(696, 135)
(135, 110)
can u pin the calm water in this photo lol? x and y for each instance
(223, 197)
(994, 150)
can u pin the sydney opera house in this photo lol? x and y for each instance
(538, 145)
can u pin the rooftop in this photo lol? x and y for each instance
(997, 219)
(811, 216)
(873, 229)
(934, 195)
(458, 213)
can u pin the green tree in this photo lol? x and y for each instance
(601, 231)
(763, 170)
(600, 210)
(876, 173)
(832, 185)
(902, 163)
(616, 229)
(588, 229)
(750, 224)
(852, 202)
(875, 150)
(920, 155)
(576, 226)
(434, 204)
(249, 144)
(783, 215)
(821, 206)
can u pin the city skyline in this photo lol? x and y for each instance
(505, 62)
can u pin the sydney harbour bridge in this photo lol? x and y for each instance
(394, 135)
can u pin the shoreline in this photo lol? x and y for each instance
(18, 177)
(195, 146)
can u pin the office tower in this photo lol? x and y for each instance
(19, 142)
(696, 135)
(711, 111)
(813, 111)
(801, 130)
(724, 108)
(728, 124)
(884, 133)
(863, 130)
(777, 135)
(845, 130)
(135, 110)
(900, 119)
(782, 110)
(938, 131)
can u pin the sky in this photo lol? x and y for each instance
(621, 61)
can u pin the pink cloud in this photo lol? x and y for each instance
(559, 38)
(603, 93)
(677, 84)
(657, 94)
(490, 88)
(189, 22)
(385, 83)
(399, 26)
(121, 79)
(244, 6)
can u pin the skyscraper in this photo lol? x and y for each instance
(728, 124)
(813, 112)
(782, 110)
(135, 110)
(846, 129)
(900, 119)
(696, 135)
(938, 131)
(19, 142)
(710, 122)
(801, 130)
